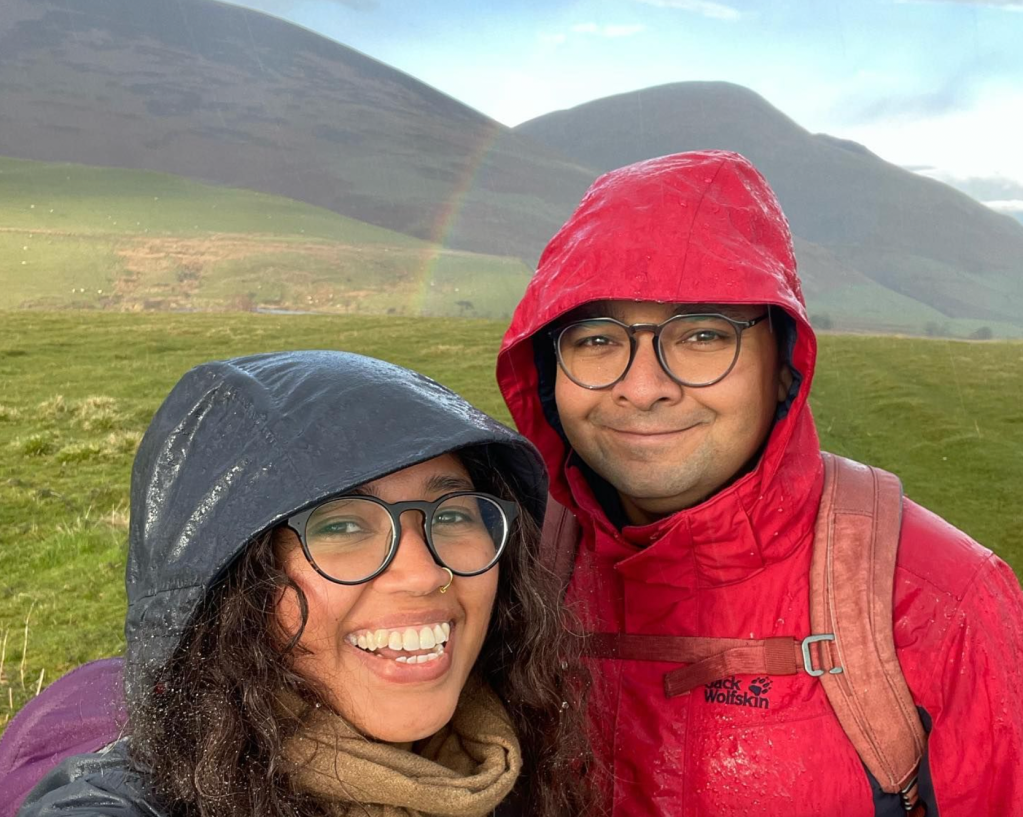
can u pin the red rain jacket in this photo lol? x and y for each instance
(705, 227)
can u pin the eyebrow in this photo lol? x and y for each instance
(728, 310)
(437, 484)
(607, 309)
(448, 482)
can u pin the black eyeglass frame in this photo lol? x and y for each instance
(298, 521)
(656, 329)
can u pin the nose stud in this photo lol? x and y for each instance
(451, 578)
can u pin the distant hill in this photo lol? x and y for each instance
(82, 237)
(901, 249)
(218, 93)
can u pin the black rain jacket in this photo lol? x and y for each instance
(238, 446)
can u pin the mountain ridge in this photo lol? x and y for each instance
(909, 234)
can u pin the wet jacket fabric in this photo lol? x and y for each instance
(705, 228)
(311, 425)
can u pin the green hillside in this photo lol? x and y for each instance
(77, 389)
(100, 238)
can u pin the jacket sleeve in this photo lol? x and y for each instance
(976, 742)
(93, 785)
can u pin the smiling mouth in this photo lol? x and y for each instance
(405, 645)
(643, 433)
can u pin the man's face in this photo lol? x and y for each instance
(664, 446)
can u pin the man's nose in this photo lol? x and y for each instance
(413, 570)
(646, 383)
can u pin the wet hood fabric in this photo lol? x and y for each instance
(701, 227)
(239, 445)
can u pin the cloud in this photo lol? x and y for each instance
(951, 97)
(1006, 205)
(957, 86)
(553, 39)
(991, 190)
(716, 11)
(975, 149)
(1005, 5)
(609, 31)
(623, 31)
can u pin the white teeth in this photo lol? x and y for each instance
(410, 639)
(421, 659)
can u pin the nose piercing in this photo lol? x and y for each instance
(451, 578)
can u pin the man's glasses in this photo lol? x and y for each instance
(353, 539)
(694, 350)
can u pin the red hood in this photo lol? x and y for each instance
(700, 227)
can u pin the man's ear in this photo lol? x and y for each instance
(785, 380)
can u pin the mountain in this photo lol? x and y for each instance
(869, 235)
(217, 93)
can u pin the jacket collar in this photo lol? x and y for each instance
(729, 537)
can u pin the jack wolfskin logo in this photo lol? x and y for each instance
(730, 691)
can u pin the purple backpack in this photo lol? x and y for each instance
(82, 711)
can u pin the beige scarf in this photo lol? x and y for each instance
(464, 770)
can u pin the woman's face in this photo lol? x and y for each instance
(390, 699)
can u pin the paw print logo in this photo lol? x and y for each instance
(760, 686)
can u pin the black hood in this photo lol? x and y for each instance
(239, 445)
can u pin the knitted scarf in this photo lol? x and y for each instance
(464, 770)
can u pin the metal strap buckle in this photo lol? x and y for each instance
(909, 795)
(808, 660)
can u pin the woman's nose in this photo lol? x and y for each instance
(413, 569)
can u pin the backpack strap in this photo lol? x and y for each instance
(559, 541)
(851, 648)
(851, 586)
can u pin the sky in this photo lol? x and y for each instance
(932, 85)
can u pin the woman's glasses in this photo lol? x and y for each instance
(353, 539)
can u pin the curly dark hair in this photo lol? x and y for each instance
(210, 731)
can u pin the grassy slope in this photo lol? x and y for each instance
(76, 236)
(79, 387)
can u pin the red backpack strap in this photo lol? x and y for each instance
(559, 541)
(851, 587)
(709, 659)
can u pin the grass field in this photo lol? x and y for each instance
(101, 238)
(77, 389)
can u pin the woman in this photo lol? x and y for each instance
(335, 607)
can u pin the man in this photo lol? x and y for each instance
(693, 467)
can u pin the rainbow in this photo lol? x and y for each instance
(448, 215)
